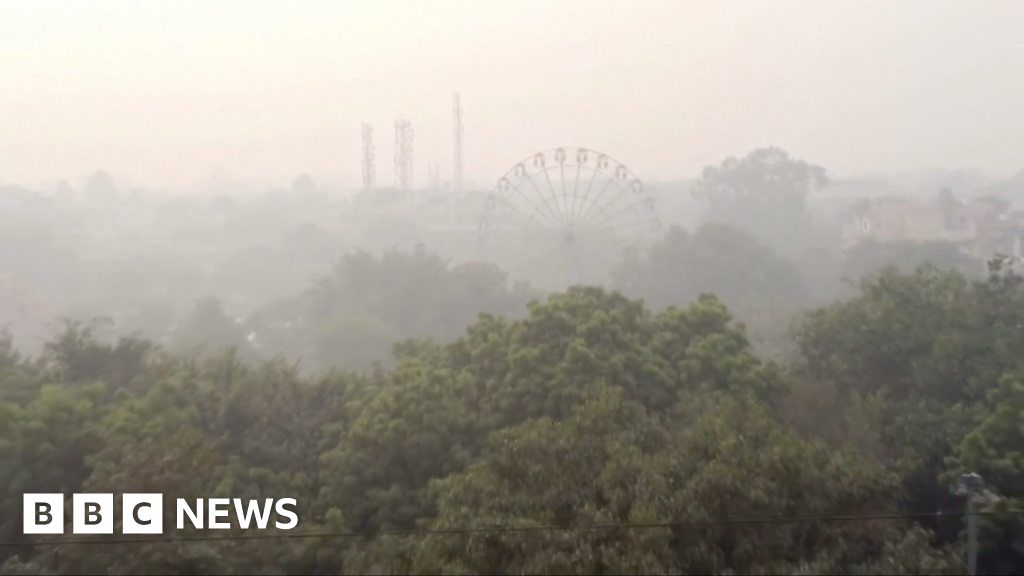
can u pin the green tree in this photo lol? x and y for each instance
(717, 259)
(44, 447)
(77, 355)
(759, 286)
(931, 350)
(614, 462)
(995, 450)
(764, 192)
(869, 257)
(429, 417)
(208, 329)
(351, 318)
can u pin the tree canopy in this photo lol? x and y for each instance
(590, 410)
(764, 192)
(352, 317)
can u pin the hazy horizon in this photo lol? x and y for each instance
(194, 93)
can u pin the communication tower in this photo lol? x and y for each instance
(403, 154)
(456, 143)
(369, 170)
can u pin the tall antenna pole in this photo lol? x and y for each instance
(403, 154)
(457, 143)
(369, 170)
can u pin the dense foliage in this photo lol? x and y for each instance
(923, 370)
(765, 192)
(352, 317)
(759, 286)
(867, 257)
(590, 410)
(716, 259)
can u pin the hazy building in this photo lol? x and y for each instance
(982, 227)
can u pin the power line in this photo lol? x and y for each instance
(499, 529)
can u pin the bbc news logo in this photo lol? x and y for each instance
(144, 513)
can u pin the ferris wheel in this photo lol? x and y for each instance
(574, 193)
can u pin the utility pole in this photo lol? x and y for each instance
(971, 486)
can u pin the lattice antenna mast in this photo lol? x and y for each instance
(369, 169)
(456, 143)
(403, 154)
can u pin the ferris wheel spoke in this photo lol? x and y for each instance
(586, 193)
(565, 195)
(552, 206)
(560, 158)
(500, 197)
(526, 217)
(607, 218)
(504, 185)
(555, 215)
(603, 209)
(634, 186)
(639, 224)
(591, 206)
(528, 202)
(575, 194)
(554, 195)
(536, 203)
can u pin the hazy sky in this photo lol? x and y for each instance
(180, 94)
